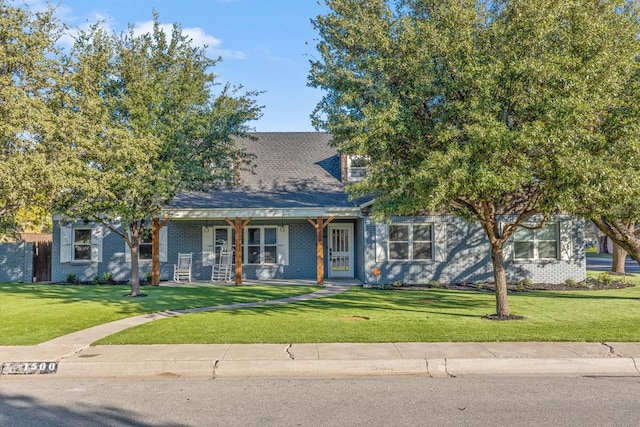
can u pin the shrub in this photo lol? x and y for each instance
(107, 277)
(72, 278)
(148, 277)
(570, 282)
(605, 278)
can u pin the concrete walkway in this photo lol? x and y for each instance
(76, 358)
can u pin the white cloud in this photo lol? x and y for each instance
(198, 36)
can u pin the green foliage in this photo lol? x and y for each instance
(146, 127)
(571, 282)
(478, 108)
(523, 284)
(71, 278)
(30, 82)
(606, 278)
(107, 277)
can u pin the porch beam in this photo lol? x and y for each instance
(238, 225)
(156, 225)
(320, 224)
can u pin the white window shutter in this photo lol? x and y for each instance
(282, 239)
(566, 240)
(440, 242)
(208, 249)
(382, 237)
(507, 249)
(66, 244)
(97, 234)
(163, 246)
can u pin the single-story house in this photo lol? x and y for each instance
(293, 214)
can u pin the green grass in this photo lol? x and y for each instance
(32, 313)
(435, 315)
(597, 255)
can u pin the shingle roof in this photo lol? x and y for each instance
(290, 170)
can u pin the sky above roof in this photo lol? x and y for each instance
(265, 45)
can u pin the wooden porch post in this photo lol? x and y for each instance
(156, 225)
(320, 225)
(238, 225)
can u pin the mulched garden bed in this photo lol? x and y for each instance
(591, 284)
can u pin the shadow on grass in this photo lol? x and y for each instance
(158, 298)
(442, 302)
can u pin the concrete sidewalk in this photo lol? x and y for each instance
(332, 360)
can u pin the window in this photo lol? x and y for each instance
(224, 241)
(410, 242)
(82, 244)
(265, 244)
(538, 243)
(262, 245)
(146, 246)
(357, 168)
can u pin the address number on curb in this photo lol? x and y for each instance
(28, 368)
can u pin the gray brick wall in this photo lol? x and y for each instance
(16, 262)
(186, 236)
(468, 257)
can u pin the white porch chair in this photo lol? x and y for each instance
(222, 269)
(182, 270)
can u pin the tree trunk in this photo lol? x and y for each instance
(619, 258)
(155, 252)
(135, 270)
(500, 277)
(621, 233)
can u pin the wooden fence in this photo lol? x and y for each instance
(42, 261)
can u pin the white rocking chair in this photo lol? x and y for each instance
(182, 270)
(221, 271)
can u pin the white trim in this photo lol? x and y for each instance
(97, 235)
(411, 242)
(382, 236)
(349, 252)
(536, 241)
(163, 244)
(292, 213)
(261, 244)
(208, 249)
(282, 240)
(66, 244)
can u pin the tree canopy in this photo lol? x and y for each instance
(492, 110)
(146, 127)
(29, 84)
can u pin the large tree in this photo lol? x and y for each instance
(29, 86)
(147, 127)
(481, 108)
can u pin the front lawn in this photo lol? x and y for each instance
(433, 315)
(34, 313)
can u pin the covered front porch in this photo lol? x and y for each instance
(319, 246)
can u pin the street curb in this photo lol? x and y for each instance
(534, 366)
(320, 368)
(133, 369)
(435, 368)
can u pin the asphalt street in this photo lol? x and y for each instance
(604, 264)
(389, 401)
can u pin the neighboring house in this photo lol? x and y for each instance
(297, 186)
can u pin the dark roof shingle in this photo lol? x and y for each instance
(290, 170)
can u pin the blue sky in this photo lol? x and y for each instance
(265, 45)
